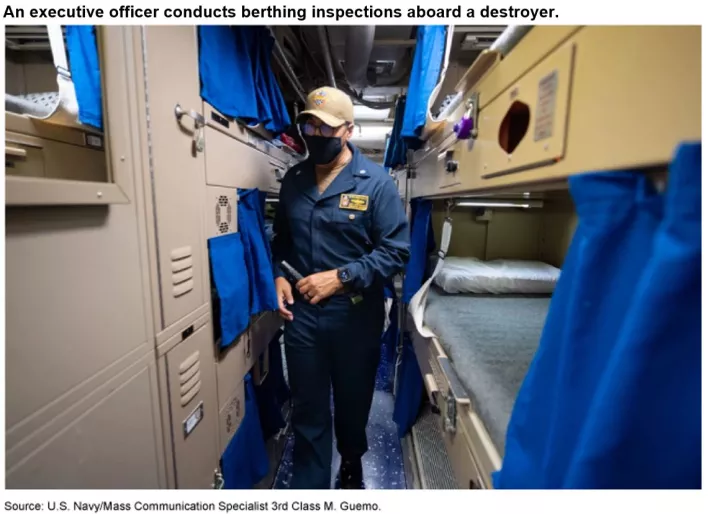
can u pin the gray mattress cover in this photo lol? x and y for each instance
(490, 340)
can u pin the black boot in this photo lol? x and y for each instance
(350, 476)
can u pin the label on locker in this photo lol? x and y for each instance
(193, 419)
(546, 106)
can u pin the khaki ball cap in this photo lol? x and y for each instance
(330, 105)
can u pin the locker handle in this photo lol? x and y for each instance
(197, 117)
(248, 346)
(13, 151)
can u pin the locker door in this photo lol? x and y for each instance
(177, 166)
(192, 385)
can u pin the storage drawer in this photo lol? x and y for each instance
(231, 415)
(257, 138)
(29, 156)
(232, 163)
(23, 160)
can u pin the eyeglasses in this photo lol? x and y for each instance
(310, 129)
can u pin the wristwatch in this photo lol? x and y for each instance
(344, 275)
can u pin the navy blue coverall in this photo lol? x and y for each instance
(336, 342)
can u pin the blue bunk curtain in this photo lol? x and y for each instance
(226, 259)
(82, 52)
(395, 154)
(257, 251)
(423, 243)
(272, 394)
(410, 383)
(409, 392)
(245, 461)
(390, 338)
(236, 75)
(425, 71)
(613, 396)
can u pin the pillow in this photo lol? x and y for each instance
(500, 276)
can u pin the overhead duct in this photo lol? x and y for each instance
(402, 65)
(325, 47)
(359, 42)
(367, 114)
(371, 136)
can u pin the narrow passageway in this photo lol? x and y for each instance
(383, 464)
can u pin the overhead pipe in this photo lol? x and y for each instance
(371, 136)
(326, 52)
(509, 38)
(287, 68)
(359, 42)
(357, 97)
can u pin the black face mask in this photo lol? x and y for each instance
(323, 150)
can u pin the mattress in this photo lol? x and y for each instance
(38, 105)
(490, 340)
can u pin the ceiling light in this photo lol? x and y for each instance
(484, 203)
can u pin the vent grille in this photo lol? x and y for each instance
(233, 417)
(190, 379)
(182, 271)
(223, 211)
(434, 466)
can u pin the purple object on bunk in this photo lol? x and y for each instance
(464, 128)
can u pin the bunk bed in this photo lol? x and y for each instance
(490, 341)
(526, 117)
(476, 327)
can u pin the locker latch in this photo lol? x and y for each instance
(449, 420)
(199, 123)
(451, 165)
(467, 127)
(218, 482)
(279, 174)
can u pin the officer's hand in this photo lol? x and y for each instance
(319, 286)
(284, 291)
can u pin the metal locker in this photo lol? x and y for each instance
(192, 389)
(176, 144)
(231, 414)
(263, 330)
(232, 365)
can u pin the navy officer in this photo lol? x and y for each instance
(341, 224)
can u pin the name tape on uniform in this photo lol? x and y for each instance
(354, 202)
